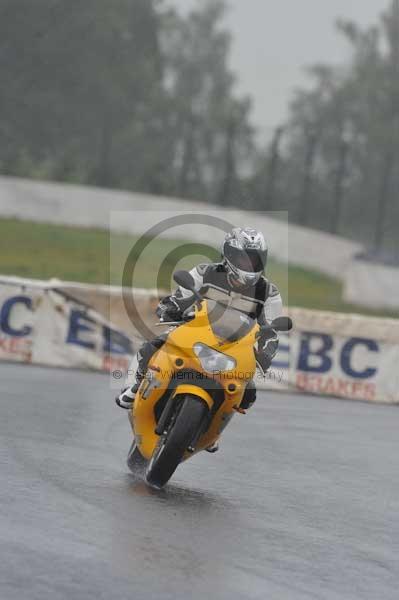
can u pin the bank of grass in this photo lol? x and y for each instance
(43, 251)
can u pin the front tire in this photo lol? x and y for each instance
(171, 447)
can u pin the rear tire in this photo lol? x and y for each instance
(171, 447)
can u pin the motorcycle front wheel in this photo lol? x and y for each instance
(172, 446)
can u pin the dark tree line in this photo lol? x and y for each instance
(123, 93)
(131, 94)
(335, 165)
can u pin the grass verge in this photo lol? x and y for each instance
(43, 251)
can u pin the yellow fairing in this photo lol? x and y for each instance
(176, 366)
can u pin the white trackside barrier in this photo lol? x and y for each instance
(87, 206)
(368, 284)
(50, 323)
(376, 285)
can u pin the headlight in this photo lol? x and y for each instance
(213, 361)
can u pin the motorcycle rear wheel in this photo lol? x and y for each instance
(171, 447)
(135, 461)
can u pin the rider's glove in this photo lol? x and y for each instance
(169, 310)
(267, 348)
(268, 343)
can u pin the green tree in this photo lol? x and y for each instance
(341, 159)
(212, 135)
(125, 93)
(74, 76)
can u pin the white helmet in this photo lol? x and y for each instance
(245, 254)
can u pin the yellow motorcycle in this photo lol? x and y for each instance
(194, 384)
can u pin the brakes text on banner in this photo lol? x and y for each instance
(354, 367)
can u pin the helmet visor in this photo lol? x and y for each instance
(249, 260)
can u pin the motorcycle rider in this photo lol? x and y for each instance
(238, 279)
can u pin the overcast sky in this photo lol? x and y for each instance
(275, 39)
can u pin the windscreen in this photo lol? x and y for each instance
(228, 324)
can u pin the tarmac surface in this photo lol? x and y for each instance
(301, 501)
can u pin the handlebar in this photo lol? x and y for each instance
(185, 303)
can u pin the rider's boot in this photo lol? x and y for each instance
(126, 397)
(246, 403)
(213, 448)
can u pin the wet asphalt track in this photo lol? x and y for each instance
(302, 501)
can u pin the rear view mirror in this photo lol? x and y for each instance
(185, 280)
(282, 324)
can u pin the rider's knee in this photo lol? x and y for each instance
(148, 349)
